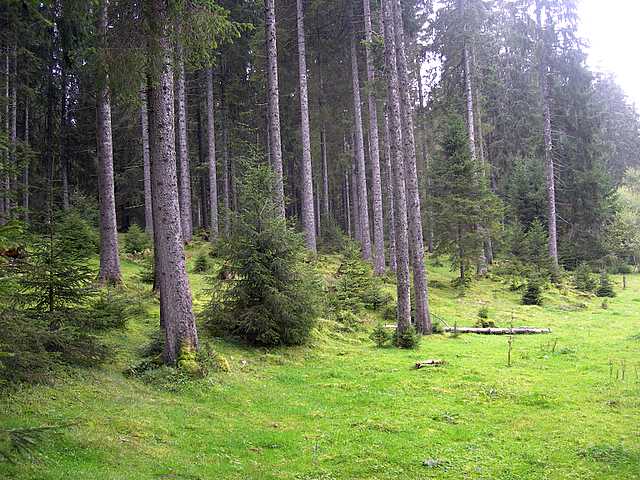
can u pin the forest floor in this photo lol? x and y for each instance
(339, 408)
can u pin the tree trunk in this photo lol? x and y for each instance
(389, 194)
(64, 122)
(186, 219)
(5, 189)
(378, 222)
(548, 141)
(403, 284)
(347, 208)
(211, 156)
(226, 175)
(146, 166)
(13, 131)
(176, 310)
(363, 206)
(308, 213)
(275, 144)
(25, 173)
(109, 260)
(355, 204)
(423, 319)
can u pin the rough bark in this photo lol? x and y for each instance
(376, 187)
(548, 140)
(355, 204)
(25, 172)
(423, 320)
(64, 160)
(5, 188)
(275, 143)
(347, 204)
(308, 213)
(13, 131)
(109, 260)
(176, 310)
(325, 173)
(403, 284)
(186, 219)
(211, 157)
(146, 166)
(363, 206)
(226, 174)
(389, 194)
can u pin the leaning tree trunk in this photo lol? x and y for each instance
(275, 144)
(109, 260)
(403, 283)
(363, 206)
(176, 310)
(389, 194)
(186, 219)
(211, 156)
(548, 141)
(146, 166)
(423, 319)
(378, 221)
(308, 214)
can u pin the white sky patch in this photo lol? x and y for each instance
(612, 31)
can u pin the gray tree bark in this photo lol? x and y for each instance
(308, 213)
(543, 75)
(389, 193)
(25, 172)
(13, 131)
(146, 165)
(363, 205)
(211, 156)
(64, 160)
(347, 203)
(275, 143)
(186, 218)
(423, 319)
(109, 260)
(376, 187)
(176, 310)
(403, 283)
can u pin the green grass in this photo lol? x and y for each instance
(340, 409)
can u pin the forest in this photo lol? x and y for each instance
(315, 239)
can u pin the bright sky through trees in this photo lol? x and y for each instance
(611, 31)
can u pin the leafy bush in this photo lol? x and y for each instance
(583, 278)
(390, 311)
(271, 296)
(605, 289)
(376, 298)
(380, 335)
(483, 318)
(201, 263)
(533, 293)
(76, 236)
(349, 321)
(112, 308)
(136, 241)
(409, 338)
(147, 273)
(483, 313)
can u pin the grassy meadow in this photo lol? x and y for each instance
(568, 407)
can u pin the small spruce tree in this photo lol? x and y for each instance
(605, 289)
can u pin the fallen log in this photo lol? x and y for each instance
(429, 363)
(498, 331)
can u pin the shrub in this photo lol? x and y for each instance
(409, 338)
(375, 298)
(533, 293)
(390, 311)
(201, 263)
(583, 278)
(605, 289)
(380, 335)
(271, 296)
(437, 328)
(483, 318)
(112, 308)
(75, 235)
(349, 321)
(483, 313)
(147, 273)
(136, 241)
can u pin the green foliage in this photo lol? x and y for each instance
(112, 308)
(136, 241)
(605, 288)
(483, 318)
(533, 293)
(24, 443)
(147, 272)
(75, 236)
(461, 201)
(483, 313)
(349, 322)
(583, 278)
(390, 311)
(201, 263)
(356, 288)
(409, 338)
(272, 296)
(380, 335)
(332, 238)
